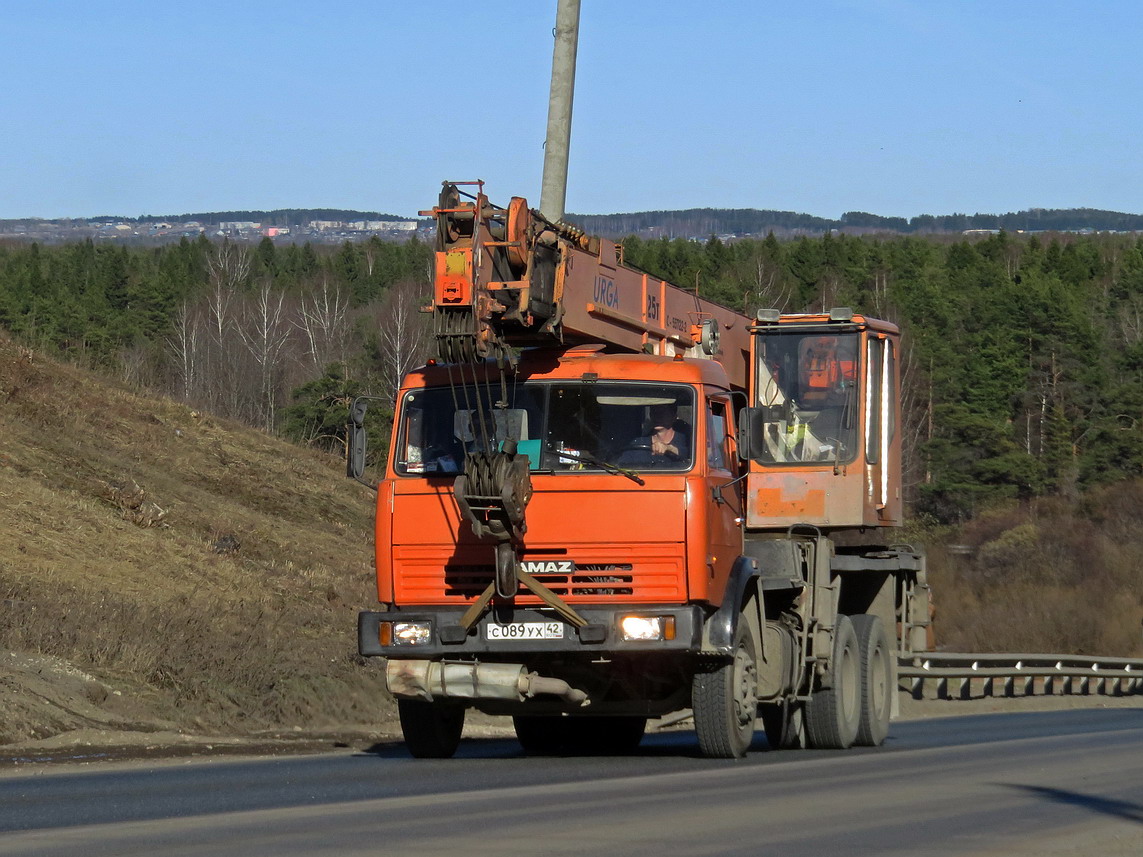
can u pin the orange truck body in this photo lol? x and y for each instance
(757, 548)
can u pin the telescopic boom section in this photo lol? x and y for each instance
(508, 277)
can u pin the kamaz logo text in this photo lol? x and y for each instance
(539, 566)
(606, 293)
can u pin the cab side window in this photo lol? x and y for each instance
(716, 435)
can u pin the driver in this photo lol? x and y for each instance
(667, 444)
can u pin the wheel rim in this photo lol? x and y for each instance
(745, 687)
(850, 685)
(878, 689)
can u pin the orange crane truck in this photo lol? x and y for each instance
(607, 499)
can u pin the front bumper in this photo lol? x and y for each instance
(601, 635)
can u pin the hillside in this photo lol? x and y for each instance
(1048, 575)
(163, 569)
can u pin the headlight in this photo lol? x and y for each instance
(405, 633)
(647, 627)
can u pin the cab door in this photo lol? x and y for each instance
(723, 500)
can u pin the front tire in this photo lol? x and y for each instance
(877, 688)
(725, 700)
(833, 714)
(431, 729)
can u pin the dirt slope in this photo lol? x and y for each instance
(161, 569)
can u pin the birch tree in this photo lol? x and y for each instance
(323, 319)
(229, 267)
(266, 332)
(402, 333)
(185, 345)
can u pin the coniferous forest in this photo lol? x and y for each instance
(1023, 354)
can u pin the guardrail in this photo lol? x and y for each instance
(950, 675)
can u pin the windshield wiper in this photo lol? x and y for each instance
(588, 458)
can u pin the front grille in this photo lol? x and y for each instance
(588, 580)
(656, 575)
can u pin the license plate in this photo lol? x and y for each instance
(525, 631)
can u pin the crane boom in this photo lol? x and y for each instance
(509, 277)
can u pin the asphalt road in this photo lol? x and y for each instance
(1045, 783)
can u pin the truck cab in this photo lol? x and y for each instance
(639, 542)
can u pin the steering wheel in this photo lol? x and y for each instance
(638, 445)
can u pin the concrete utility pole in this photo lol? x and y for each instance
(555, 184)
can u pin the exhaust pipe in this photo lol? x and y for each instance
(430, 680)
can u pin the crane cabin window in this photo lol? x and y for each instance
(808, 388)
(562, 427)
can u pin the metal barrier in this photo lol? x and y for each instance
(967, 676)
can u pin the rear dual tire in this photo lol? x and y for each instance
(855, 708)
(877, 685)
(833, 713)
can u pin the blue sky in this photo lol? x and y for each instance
(896, 107)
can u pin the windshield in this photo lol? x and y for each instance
(562, 427)
(807, 388)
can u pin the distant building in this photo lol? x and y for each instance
(323, 225)
(382, 225)
(238, 225)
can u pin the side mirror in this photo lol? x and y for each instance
(355, 455)
(749, 426)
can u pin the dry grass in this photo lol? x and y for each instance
(216, 570)
(1048, 576)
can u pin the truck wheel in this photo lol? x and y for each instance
(834, 713)
(876, 680)
(725, 700)
(552, 736)
(785, 725)
(431, 729)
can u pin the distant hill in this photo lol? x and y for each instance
(701, 222)
(277, 217)
(686, 223)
